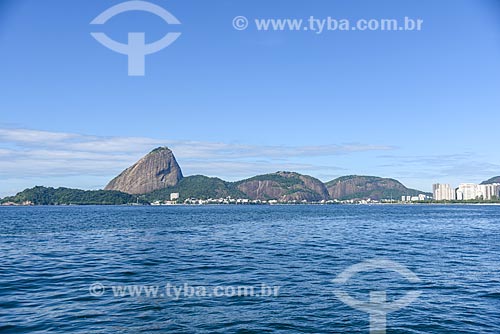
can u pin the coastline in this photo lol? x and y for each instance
(252, 204)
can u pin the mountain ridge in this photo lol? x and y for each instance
(495, 179)
(283, 186)
(157, 175)
(374, 187)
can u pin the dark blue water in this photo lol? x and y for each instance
(51, 255)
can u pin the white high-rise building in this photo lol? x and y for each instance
(491, 191)
(471, 191)
(443, 192)
(468, 191)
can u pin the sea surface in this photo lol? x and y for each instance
(60, 268)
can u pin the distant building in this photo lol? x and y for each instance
(443, 192)
(419, 198)
(491, 191)
(10, 204)
(472, 191)
(174, 196)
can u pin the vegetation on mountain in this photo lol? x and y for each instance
(284, 186)
(66, 196)
(363, 187)
(199, 187)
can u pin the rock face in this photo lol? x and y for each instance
(156, 170)
(283, 186)
(495, 179)
(363, 187)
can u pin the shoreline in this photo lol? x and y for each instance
(253, 204)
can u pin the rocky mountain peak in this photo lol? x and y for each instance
(362, 187)
(284, 186)
(156, 170)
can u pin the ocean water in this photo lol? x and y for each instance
(61, 268)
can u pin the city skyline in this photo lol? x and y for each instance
(465, 192)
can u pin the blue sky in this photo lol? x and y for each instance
(419, 106)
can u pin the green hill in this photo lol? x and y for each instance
(364, 187)
(284, 186)
(65, 196)
(197, 186)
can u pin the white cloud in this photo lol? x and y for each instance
(33, 136)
